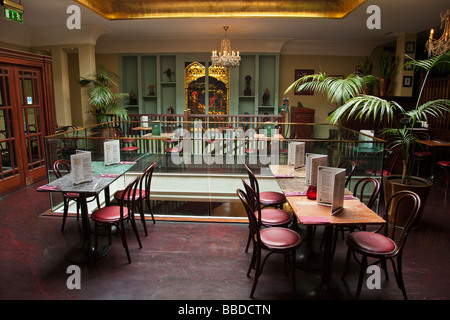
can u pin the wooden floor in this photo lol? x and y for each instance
(194, 261)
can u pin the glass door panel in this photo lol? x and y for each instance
(8, 166)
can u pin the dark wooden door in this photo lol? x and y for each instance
(21, 126)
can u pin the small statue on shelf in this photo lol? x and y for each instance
(247, 91)
(151, 91)
(169, 74)
(132, 98)
(265, 97)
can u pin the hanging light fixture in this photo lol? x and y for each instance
(225, 57)
(441, 45)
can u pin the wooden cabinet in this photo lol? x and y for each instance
(302, 115)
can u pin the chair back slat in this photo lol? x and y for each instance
(364, 183)
(254, 226)
(60, 164)
(128, 197)
(393, 207)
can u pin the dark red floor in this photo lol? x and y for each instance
(193, 261)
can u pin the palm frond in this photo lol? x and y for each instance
(364, 107)
(337, 90)
(434, 108)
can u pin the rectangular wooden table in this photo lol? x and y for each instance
(310, 213)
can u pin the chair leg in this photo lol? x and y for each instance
(133, 225)
(98, 201)
(66, 209)
(248, 241)
(257, 273)
(96, 238)
(347, 263)
(293, 269)
(399, 276)
(149, 207)
(362, 272)
(141, 214)
(78, 209)
(124, 240)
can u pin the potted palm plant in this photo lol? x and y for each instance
(386, 66)
(399, 134)
(102, 96)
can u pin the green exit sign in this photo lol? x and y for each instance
(13, 15)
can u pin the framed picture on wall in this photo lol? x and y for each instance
(407, 81)
(301, 73)
(410, 47)
(409, 67)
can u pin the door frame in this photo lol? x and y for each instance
(18, 59)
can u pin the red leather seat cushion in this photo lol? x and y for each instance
(274, 217)
(130, 149)
(139, 192)
(173, 149)
(73, 195)
(444, 163)
(422, 154)
(377, 172)
(371, 242)
(271, 197)
(280, 237)
(108, 214)
(251, 150)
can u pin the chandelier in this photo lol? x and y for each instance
(225, 57)
(441, 45)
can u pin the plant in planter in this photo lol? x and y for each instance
(354, 104)
(365, 67)
(386, 66)
(102, 96)
(400, 122)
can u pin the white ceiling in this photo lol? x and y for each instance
(397, 16)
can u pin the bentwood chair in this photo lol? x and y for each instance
(266, 198)
(349, 167)
(61, 167)
(269, 216)
(362, 192)
(384, 246)
(117, 216)
(142, 195)
(273, 240)
(128, 145)
(421, 152)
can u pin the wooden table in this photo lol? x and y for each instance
(310, 213)
(437, 144)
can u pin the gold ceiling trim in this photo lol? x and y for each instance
(153, 9)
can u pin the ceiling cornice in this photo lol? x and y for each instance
(153, 9)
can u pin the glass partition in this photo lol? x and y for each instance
(200, 164)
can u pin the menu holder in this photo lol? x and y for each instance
(312, 162)
(156, 128)
(296, 154)
(111, 149)
(81, 167)
(331, 187)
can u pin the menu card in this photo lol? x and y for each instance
(296, 154)
(81, 167)
(313, 161)
(331, 187)
(111, 149)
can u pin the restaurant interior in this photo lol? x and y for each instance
(241, 150)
